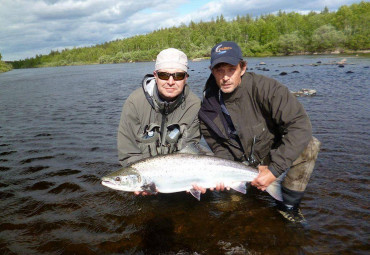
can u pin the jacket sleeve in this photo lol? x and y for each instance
(293, 122)
(217, 148)
(129, 125)
(192, 132)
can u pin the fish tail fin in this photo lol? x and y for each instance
(274, 189)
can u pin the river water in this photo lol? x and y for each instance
(58, 138)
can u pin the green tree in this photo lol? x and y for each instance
(325, 11)
(358, 41)
(290, 43)
(327, 37)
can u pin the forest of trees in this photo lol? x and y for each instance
(347, 29)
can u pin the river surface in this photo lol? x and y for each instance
(58, 138)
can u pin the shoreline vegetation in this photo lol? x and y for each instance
(5, 67)
(345, 31)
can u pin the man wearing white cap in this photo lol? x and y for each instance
(161, 117)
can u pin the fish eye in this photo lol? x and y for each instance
(118, 179)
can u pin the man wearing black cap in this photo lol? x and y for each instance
(256, 120)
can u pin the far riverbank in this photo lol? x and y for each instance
(4, 67)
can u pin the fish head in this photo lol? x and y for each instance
(125, 179)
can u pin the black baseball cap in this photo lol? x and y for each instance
(226, 52)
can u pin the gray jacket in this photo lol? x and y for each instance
(150, 126)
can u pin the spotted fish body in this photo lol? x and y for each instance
(178, 172)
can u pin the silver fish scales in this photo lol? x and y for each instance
(178, 172)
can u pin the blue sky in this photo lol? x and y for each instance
(30, 27)
(189, 6)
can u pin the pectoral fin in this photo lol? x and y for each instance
(196, 193)
(150, 188)
(240, 187)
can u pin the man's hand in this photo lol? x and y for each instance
(219, 187)
(144, 193)
(200, 188)
(264, 178)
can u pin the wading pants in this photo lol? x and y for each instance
(295, 181)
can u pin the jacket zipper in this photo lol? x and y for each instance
(164, 120)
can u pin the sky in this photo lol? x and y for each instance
(30, 27)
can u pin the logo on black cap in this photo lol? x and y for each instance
(226, 52)
(221, 50)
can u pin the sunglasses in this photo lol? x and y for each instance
(178, 76)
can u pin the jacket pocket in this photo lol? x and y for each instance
(150, 140)
(263, 140)
(173, 137)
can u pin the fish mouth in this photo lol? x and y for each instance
(106, 183)
(109, 184)
(112, 185)
(105, 179)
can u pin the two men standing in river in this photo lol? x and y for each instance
(243, 117)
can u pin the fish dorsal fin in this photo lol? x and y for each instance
(240, 187)
(196, 148)
(196, 193)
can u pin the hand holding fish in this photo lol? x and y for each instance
(264, 178)
(200, 188)
(144, 193)
(219, 187)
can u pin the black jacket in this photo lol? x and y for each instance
(266, 117)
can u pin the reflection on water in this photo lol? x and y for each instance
(58, 138)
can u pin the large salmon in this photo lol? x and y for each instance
(179, 171)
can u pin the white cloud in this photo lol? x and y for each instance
(30, 27)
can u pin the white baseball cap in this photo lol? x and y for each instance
(171, 58)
